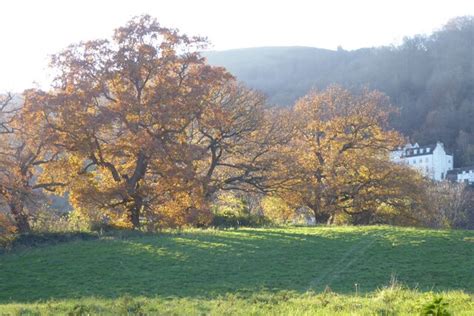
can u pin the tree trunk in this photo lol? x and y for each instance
(21, 219)
(133, 184)
(363, 218)
(330, 220)
(134, 212)
(320, 217)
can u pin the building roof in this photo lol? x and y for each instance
(420, 151)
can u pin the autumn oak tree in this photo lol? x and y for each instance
(340, 154)
(121, 110)
(238, 137)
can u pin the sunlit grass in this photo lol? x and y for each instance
(220, 270)
(386, 301)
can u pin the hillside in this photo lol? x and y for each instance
(241, 266)
(283, 73)
(430, 78)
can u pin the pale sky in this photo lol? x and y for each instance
(32, 30)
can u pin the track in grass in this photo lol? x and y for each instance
(354, 254)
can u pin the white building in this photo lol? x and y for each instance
(464, 174)
(432, 161)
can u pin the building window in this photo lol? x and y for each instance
(421, 160)
(421, 151)
(442, 175)
(426, 159)
(427, 150)
(416, 151)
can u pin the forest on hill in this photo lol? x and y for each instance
(430, 78)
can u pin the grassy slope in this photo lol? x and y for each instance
(218, 266)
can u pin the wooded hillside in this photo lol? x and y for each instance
(429, 77)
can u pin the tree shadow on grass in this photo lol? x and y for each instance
(212, 263)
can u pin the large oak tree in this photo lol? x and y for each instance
(341, 161)
(121, 110)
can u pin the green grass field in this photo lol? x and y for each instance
(323, 270)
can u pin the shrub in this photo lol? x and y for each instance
(48, 220)
(234, 221)
(451, 205)
(231, 210)
(129, 306)
(80, 310)
(36, 239)
(277, 210)
(435, 308)
(7, 230)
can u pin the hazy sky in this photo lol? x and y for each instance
(32, 30)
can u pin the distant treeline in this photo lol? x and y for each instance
(429, 77)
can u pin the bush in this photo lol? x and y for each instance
(129, 306)
(104, 227)
(48, 220)
(234, 221)
(451, 205)
(436, 308)
(232, 210)
(36, 239)
(80, 310)
(7, 230)
(277, 210)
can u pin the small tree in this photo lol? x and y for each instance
(23, 154)
(451, 205)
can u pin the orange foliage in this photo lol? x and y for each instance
(122, 111)
(339, 157)
(139, 130)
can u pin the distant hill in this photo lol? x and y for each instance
(429, 77)
(283, 73)
(287, 73)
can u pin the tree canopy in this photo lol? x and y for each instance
(140, 131)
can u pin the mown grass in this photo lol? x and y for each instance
(260, 271)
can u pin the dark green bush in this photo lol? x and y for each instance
(234, 221)
(80, 310)
(436, 308)
(36, 239)
(102, 227)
